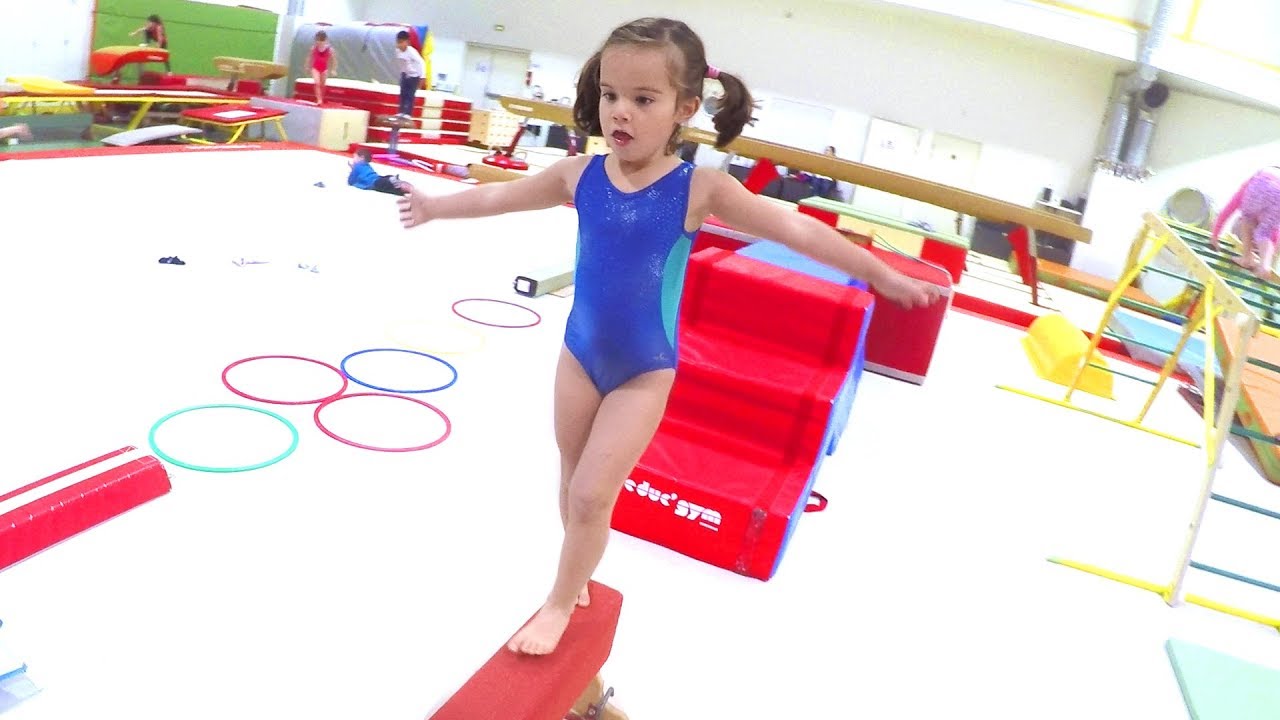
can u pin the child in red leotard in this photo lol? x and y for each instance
(323, 62)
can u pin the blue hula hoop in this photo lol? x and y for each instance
(151, 440)
(442, 361)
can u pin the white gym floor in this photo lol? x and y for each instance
(345, 583)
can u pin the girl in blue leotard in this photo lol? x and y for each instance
(638, 210)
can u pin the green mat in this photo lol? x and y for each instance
(841, 208)
(198, 32)
(1217, 686)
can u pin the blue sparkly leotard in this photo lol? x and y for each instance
(629, 273)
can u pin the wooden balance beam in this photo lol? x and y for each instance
(946, 196)
(565, 684)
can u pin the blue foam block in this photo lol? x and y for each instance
(1152, 332)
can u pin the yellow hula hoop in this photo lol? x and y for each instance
(457, 339)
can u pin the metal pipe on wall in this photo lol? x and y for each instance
(1131, 116)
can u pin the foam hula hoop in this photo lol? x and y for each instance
(440, 360)
(448, 426)
(247, 396)
(151, 440)
(536, 317)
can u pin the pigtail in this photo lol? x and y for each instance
(734, 111)
(586, 108)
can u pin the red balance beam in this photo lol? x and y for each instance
(543, 687)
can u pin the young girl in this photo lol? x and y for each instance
(638, 209)
(153, 34)
(1258, 201)
(324, 62)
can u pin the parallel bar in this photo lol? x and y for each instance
(1245, 506)
(1175, 276)
(1139, 343)
(1243, 431)
(1162, 313)
(1265, 365)
(1235, 576)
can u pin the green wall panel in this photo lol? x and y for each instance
(198, 32)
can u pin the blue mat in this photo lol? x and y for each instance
(1153, 332)
(1218, 686)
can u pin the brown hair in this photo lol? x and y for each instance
(687, 75)
(322, 35)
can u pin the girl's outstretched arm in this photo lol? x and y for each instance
(728, 200)
(549, 188)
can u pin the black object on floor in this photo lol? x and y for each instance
(175, 260)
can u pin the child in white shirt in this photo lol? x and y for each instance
(411, 70)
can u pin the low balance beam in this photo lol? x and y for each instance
(546, 687)
(41, 514)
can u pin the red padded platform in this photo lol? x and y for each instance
(524, 687)
(48, 511)
(764, 351)
(900, 343)
(232, 114)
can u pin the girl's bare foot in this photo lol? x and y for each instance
(584, 597)
(543, 632)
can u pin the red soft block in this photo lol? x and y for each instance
(53, 509)
(792, 314)
(900, 342)
(826, 216)
(764, 352)
(951, 257)
(545, 687)
(761, 175)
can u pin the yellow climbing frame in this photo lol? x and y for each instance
(1216, 300)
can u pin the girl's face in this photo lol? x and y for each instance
(639, 105)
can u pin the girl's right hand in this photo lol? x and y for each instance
(413, 207)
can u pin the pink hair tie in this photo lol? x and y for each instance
(713, 72)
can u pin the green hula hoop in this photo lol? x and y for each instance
(151, 440)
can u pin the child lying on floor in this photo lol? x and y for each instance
(363, 175)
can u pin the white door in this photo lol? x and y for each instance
(951, 161)
(796, 124)
(510, 68)
(489, 72)
(891, 146)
